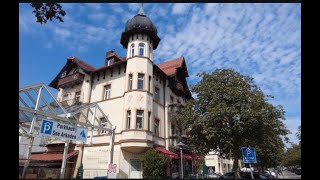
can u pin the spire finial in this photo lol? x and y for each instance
(141, 12)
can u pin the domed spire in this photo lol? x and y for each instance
(141, 12)
(140, 24)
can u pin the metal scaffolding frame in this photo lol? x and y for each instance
(36, 103)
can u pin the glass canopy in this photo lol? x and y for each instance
(36, 103)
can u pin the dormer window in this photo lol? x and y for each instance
(141, 49)
(110, 62)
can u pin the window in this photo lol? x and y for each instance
(149, 118)
(150, 51)
(149, 87)
(132, 50)
(78, 96)
(139, 120)
(103, 121)
(172, 130)
(140, 81)
(128, 119)
(65, 97)
(141, 49)
(135, 165)
(130, 81)
(156, 94)
(156, 127)
(107, 92)
(110, 62)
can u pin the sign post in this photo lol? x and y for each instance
(249, 156)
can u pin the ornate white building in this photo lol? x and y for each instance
(137, 96)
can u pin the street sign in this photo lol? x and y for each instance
(249, 155)
(112, 171)
(63, 131)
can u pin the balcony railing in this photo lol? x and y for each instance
(70, 102)
(71, 80)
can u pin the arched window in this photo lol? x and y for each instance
(132, 50)
(141, 49)
(149, 51)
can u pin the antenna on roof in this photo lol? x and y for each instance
(141, 12)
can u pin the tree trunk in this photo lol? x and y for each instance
(235, 167)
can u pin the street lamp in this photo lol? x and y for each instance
(180, 144)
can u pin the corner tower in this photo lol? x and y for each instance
(140, 39)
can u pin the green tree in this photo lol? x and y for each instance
(292, 156)
(231, 112)
(47, 11)
(298, 134)
(154, 165)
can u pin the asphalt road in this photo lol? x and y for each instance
(289, 175)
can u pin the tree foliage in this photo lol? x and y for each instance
(47, 11)
(292, 156)
(231, 112)
(154, 165)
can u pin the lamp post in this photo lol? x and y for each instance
(180, 144)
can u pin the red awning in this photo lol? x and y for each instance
(51, 156)
(196, 157)
(187, 156)
(167, 153)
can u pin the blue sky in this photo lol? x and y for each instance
(259, 40)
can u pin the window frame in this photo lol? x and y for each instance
(141, 49)
(132, 49)
(157, 127)
(156, 93)
(128, 119)
(130, 81)
(103, 124)
(105, 92)
(139, 79)
(139, 116)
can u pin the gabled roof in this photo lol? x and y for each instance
(82, 64)
(170, 67)
(70, 61)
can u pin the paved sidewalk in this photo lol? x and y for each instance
(289, 175)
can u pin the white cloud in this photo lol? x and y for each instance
(62, 33)
(97, 16)
(180, 8)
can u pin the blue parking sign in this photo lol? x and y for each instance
(46, 127)
(249, 155)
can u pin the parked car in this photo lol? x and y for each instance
(298, 171)
(243, 175)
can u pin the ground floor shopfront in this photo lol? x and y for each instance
(128, 164)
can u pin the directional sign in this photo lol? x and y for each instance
(63, 131)
(249, 155)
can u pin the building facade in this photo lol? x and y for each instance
(217, 164)
(138, 96)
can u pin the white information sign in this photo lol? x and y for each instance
(63, 131)
(112, 171)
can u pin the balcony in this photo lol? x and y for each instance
(137, 141)
(173, 111)
(70, 80)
